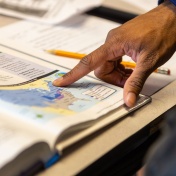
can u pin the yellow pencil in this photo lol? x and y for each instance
(79, 56)
(66, 54)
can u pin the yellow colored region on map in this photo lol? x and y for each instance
(58, 111)
(39, 84)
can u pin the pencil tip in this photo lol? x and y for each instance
(48, 51)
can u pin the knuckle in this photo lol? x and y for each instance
(149, 62)
(121, 82)
(98, 74)
(105, 49)
(68, 75)
(111, 33)
(87, 62)
(151, 57)
(136, 84)
(113, 36)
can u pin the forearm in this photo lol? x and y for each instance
(170, 5)
(167, 11)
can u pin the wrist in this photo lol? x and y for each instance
(171, 2)
(167, 12)
(170, 10)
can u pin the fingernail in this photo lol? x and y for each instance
(57, 81)
(131, 99)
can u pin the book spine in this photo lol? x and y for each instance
(52, 160)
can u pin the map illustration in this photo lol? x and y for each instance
(40, 100)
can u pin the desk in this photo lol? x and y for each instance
(132, 129)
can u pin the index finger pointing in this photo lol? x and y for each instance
(80, 70)
(85, 66)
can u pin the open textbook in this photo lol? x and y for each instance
(80, 34)
(36, 116)
(47, 11)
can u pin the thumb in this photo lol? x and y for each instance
(134, 85)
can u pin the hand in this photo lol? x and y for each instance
(149, 39)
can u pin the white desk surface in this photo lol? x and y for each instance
(100, 144)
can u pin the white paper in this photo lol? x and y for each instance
(80, 34)
(46, 11)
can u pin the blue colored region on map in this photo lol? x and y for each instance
(32, 97)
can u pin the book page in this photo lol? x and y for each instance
(20, 149)
(9, 137)
(78, 35)
(15, 71)
(54, 109)
(13, 141)
(46, 11)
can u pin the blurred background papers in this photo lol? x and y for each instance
(131, 6)
(46, 11)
